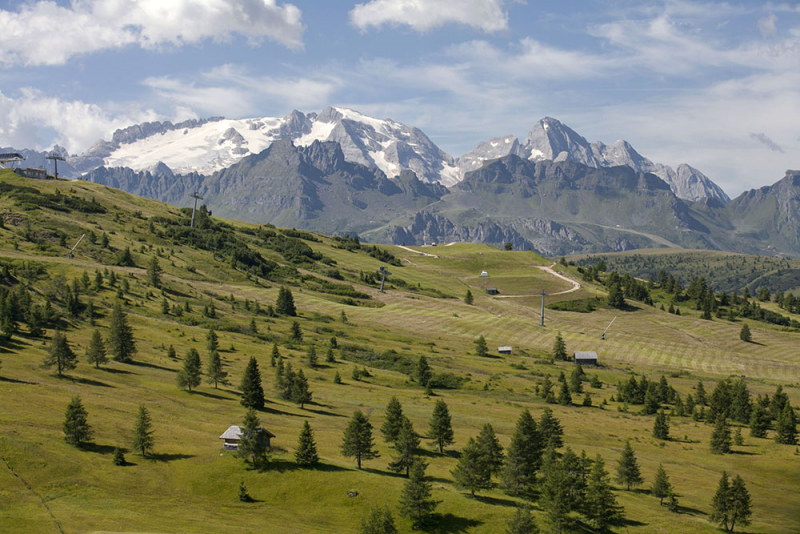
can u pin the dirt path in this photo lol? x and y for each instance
(417, 251)
(549, 270)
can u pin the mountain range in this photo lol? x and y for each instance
(340, 171)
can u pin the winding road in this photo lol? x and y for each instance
(549, 270)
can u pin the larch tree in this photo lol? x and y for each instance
(491, 450)
(523, 456)
(190, 374)
(416, 501)
(357, 441)
(306, 453)
(77, 431)
(406, 445)
(661, 485)
(441, 426)
(96, 352)
(393, 421)
(143, 440)
(601, 506)
(120, 337)
(215, 373)
(786, 426)
(481, 348)
(284, 304)
(628, 471)
(252, 442)
(472, 472)
(559, 348)
(252, 390)
(60, 354)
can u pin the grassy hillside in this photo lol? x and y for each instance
(190, 485)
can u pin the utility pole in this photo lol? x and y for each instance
(384, 272)
(196, 197)
(541, 320)
(56, 158)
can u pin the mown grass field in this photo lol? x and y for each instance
(190, 485)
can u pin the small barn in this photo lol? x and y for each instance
(585, 357)
(492, 291)
(504, 350)
(233, 435)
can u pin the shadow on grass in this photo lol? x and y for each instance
(690, 511)
(323, 412)
(116, 371)
(210, 395)
(275, 411)
(384, 473)
(90, 382)
(631, 523)
(449, 523)
(98, 449)
(13, 345)
(285, 465)
(15, 381)
(152, 366)
(744, 453)
(167, 457)
(496, 501)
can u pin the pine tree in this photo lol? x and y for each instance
(216, 374)
(701, 394)
(393, 421)
(306, 453)
(96, 352)
(312, 358)
(329, 357)
(125, 258)
(252, 442)
(554, 492)
(252, 391)
(576, 380)
(415, 501)
(154, 272)
(406, 446)
(481, 348)
(661, 426)
(615, 296)
(441, 426)
(759, 422)
(738, 440)
(77, 431)
(300, 393)
(720, 504)
(786, 426)
(164, 306)
(472, 472)
(60, 354)
(547, 391)
(212, 340)
(284, 305)
(491, 450)
(468, 298)
(423, 372)
(587, 400)
(721, 437)
(523, 456)
(379, 521)
(739, 503)
(745, 334)
(117, 457)
(296, 332)
(564, 396)
(190, 375)
(143, 431)
(172, 354)
(559, 348)
(628, 471)
(550, 430)
(661, 485)
(337, 379)
(244, 496)
(522, 522)
(357, 441)
(276, 354)
(120, 337)
(601, 505)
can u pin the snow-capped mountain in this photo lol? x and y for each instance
(214, 144)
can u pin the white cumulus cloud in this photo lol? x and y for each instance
(45, 33)
(423, 15)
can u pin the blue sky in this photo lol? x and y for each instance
(712, 84)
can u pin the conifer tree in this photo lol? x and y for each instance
(244, 496)
(628, 471)
(164, 306)
(329, 357)
(306, 453)
(120, 336)
(252, 442)
(215, 373)
(423, 372)
(441, 426)
(77, 431)
(337, 379)
(172, 354)
(468, 298)
(491, 450)
(559, 348)
(745, 334)
(276, 354)
(601, 505)
(576, 380)
(357, 441)
(661, 426)
(378, 521)
(720, 504)
(700, 394)
(296, 333)
(522, 522)
(212, 340)
(587, 400)
(523, 456)
(60, 354)
(416, 502)
(143, 431)
(564, 396)
(615, 297)
(721, 437)
(190, 375)
(547, 391)
(284, 305)
(554, 492)
(154, 272)
(481, 348)
(300, 393)
(661, 485)
(393, 421)
(406, 446)
(252, 391)
(550, 430)
(96, 352)
(739, 504)
(472, 472)
(312, 357)
(786, 426)
(117, 457)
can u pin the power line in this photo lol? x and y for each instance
(56, 158)
(196, 197)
